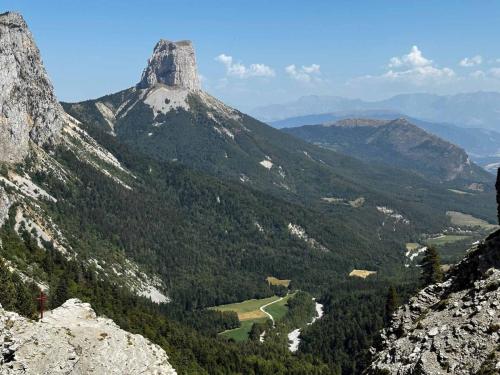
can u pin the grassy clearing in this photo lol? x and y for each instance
(248, 309)
(279, 309)
(275, 281)
(362, 273)
(249, 313)
(241, 333)
(444, 239)
(459, 218)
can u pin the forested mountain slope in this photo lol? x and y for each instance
(398, 143)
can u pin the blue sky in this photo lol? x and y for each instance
(257, 52)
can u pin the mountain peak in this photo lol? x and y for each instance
(173, 64)
(29, 110)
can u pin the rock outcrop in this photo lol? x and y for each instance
(173, 64)
(452, 327)
(29, 110)
(73, 340)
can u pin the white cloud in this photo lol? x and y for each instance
(468, 62)
(237, 69)
(413, 68)
(413, 59)
(305, 74)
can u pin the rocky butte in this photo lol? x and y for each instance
(173, 64)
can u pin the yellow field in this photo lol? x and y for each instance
(256, 314)
(274, 281)
(362, 273)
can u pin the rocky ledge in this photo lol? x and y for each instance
(449, 328)
(73, 340)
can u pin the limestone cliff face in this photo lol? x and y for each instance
(452, 327)
(173, 64)
(73, 340)
(29, 110)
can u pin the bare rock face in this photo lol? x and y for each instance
(72, 340)
(449, 328)
(173, 64)
(5, 203)
(29, 110)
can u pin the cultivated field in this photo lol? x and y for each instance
(249, 312)
(362, 273)
(274, 281)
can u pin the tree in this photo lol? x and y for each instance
(391, 303)
(431, 267)
(61, 294)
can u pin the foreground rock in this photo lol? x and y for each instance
(73, 340)
(449, 328)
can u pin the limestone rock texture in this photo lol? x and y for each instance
(173, 64)
(29, 110)
(72, 340)
(5, 203)
(449, 328)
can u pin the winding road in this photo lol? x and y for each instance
(269, 304)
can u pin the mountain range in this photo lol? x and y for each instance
(477, 109)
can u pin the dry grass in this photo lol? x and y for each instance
(256, 314)
(275, 281)
(362, 273)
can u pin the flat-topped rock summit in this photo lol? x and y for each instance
(173, 64)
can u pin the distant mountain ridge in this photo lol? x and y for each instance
(398, 143)
(476, 109)
(482, 145)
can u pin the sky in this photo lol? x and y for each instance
(254, 53)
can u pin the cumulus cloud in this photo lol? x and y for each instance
(413, 59)
(468, 62)
(413, 68)
(237, 69)
(305, 74)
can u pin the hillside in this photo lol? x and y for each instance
(400, 144)
(481, 144)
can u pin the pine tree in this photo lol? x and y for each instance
(391, 303)
(61, 294)
(431, 267)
